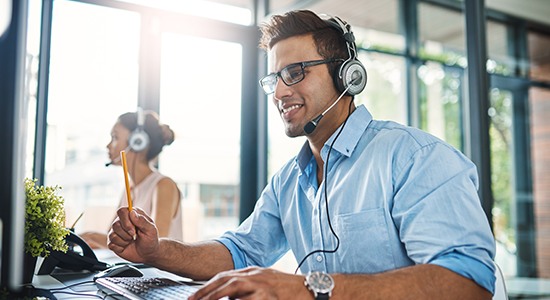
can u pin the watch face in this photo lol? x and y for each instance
(320, 282)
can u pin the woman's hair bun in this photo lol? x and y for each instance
(167, 134)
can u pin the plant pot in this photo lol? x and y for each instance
(29, 264)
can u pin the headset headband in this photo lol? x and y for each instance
(346, 33)
(352, 76)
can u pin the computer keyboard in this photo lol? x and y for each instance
(139, 288)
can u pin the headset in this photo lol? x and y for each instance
(352, 75)
(139, 139)
(350, 79)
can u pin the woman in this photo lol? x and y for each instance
(153, 192)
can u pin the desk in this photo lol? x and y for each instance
(63, 278)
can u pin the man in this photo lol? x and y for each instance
(402, 219)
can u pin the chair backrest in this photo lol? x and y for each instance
(500, 286)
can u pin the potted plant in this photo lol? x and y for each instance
(44, 224)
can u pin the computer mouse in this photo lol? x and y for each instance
(120, 271)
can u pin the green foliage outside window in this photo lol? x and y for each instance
(448, 100)
(446, 57)
(501, 181)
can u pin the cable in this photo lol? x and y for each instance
(80, 294)
(113, 295)
(326, 196)
(72, 285)
(87, 295)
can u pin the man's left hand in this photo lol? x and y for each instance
(254, 283)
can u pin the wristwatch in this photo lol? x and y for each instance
(320, 283)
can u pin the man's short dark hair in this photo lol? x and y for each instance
(328, 39)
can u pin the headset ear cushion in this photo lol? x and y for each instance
(138, 140)
(349, 71)
(338, 83)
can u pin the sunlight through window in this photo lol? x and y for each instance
(206, 9)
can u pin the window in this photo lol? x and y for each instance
(90, 86)
(441, 102)
(502, 179)
(33, 54)
(201, 101)
(501, 59)
(441, 34)
(385, 95)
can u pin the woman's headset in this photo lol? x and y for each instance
(139, 139)
(351, 74)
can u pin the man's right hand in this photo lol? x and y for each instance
(133, 235)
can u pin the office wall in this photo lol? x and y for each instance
(540, 139)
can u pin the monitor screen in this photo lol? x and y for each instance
(12, 140)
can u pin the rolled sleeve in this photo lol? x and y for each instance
(480, 272)
(239, 259)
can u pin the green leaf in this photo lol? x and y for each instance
(44, 215)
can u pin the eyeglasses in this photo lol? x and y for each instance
(291, 74)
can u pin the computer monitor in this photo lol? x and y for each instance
(12, 141)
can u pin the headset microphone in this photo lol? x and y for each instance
(114, 161)
(311, 125)
(117, 159)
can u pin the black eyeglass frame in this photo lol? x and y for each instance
(303, 65)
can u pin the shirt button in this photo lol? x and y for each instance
(319, 258)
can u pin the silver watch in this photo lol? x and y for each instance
(320, 283)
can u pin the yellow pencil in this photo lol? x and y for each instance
(125, 167)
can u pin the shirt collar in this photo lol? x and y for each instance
(350, 136)
(346, 142)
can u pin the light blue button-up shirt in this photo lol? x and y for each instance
(397, 197)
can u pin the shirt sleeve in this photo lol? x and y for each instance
(260, 239)
(439, 215)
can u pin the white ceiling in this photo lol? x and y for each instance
(534, 10)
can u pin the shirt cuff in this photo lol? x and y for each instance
(239, 260)
(481, 273)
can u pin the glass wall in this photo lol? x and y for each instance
(504, 209)
(204, 159)
(386, 93)
(440, 93)
(500, 49)
(93, 79)
(441, 34)
(31, 79)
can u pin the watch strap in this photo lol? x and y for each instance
(322, 296)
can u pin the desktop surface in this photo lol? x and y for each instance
(66, 284)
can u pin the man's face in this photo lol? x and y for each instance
(302, 102)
